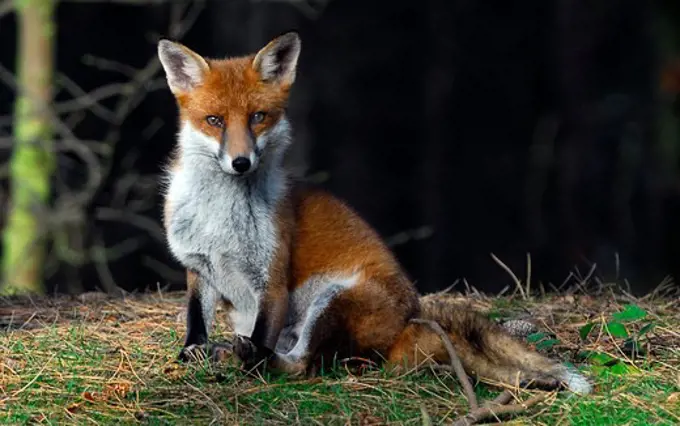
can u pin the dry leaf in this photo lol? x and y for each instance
(11, 365)
(42, 418)
(118, 389)
(366, 419)
(73, 407)
(173, 371)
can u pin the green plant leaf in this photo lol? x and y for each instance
(495, 315)
(617, 329)
(646, 329)
(598, 370)
(630, 313)
(585, 330)
(600, 358)
(535, 337)
(619, 368)
(547, 344)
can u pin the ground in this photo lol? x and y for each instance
(98, 360)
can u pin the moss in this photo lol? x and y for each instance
(32, 162)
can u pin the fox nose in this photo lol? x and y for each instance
(241, 164)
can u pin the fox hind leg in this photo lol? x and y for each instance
(319, 323)
(353, 316)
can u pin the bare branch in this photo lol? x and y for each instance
(60, 128)
(141, 222)
(99, 256)
(139, 86)
(84, 100)
(67, 222)
(162, 269)
(110, 65)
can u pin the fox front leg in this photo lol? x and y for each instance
(259, 347)
(273, 303)
(200, 314)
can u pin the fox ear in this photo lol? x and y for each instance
(184, 68)
(277, 61)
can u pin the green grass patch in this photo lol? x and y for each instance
(110, 361)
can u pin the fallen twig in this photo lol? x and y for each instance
(491, 408)
(504, 398)
(495, 410)
(506, 268)
(455, 361)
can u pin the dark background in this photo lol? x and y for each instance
(457, 128)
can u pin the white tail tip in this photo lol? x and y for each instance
(576, 382)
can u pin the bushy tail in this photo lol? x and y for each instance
(486, 350)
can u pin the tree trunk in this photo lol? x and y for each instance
(32, 160)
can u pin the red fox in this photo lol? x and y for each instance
(301, 274)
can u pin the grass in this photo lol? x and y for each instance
(98, 360)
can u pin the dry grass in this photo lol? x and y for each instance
(98, 360)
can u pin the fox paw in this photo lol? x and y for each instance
(192, 353)
(216, 352)
(250, 355)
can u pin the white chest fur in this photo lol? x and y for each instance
(223, 227)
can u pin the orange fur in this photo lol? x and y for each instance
(332, 238)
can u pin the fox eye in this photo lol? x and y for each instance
(214, 120)
(258, 117)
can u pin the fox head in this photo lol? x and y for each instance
(232, 110)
